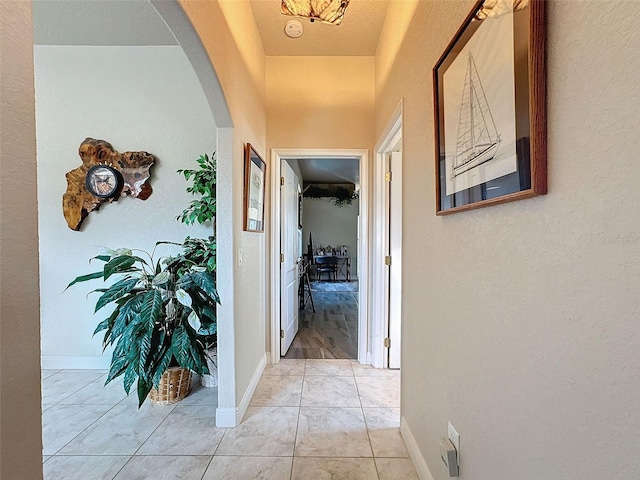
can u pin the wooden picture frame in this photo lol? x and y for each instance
(254, 190)
(490, 109)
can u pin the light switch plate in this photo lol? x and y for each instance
(454, 437)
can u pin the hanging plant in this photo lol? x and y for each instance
(342, 194)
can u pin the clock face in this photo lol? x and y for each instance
(102, 181)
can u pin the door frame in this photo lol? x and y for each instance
(277, 155)
(390, 137)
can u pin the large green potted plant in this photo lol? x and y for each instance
(164, 310)
(202, 210)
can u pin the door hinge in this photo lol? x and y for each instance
(387, 260)
(387, 342)
(281, 181)
(281, 333)
(282, 258)
(387, 176)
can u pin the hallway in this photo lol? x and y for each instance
(307, 419)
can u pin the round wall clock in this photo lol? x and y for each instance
(103, 181)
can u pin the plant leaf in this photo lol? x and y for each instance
(194, 321)
(151, 308)
(180, 345)
(118, 264)
(129, 377)
(161, 278)
(143, 390)
(206, 282)
(183, 297)
(162, 365)
(84, 278)
(116, 291)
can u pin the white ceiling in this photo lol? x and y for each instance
(98, 23)
(357, 35)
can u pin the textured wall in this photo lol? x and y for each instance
(20, 417)
(521, 320)
(320, 102)
(166, 115)
(229, 34)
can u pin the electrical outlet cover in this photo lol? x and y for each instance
(454, 437)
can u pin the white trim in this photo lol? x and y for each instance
(391, 135)
(419, 463)
(75, 363)
(232, 417)
(277, 155)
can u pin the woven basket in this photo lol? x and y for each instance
(211, 380)
(174, 385)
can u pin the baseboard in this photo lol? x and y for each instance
(226, 417)
(422, 469)
(75, 363)
(231, 417)
(251, 388)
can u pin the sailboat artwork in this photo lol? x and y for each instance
(478, 138)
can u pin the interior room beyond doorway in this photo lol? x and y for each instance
(328, 244)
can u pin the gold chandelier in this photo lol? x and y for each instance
(325, 11)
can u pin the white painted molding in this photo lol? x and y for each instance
(226, 417)
(251, 388)
(277, 155)
(379, 288)
(419, 463)
(75, 363)
(232, 417)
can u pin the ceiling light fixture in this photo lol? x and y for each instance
(325, 11)
(497, 8)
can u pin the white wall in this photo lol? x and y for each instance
(136, 98)
(332, 225)
(521, 320)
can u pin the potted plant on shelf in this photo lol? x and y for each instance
(202, 210)
(165, 310)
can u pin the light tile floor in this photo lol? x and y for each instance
(308, 420)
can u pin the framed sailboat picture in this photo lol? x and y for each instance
(490, 116)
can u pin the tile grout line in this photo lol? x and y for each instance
(154, 430)
(295, 437)
(84, 430)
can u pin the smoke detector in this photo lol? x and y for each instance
(293, 29)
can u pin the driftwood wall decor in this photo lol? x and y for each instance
(134, 168)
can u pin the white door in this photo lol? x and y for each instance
(394, 223)
(289, 257)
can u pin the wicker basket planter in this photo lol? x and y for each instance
(211, 380)
(174, 385)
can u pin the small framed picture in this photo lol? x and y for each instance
(254, 182)
(490, 108)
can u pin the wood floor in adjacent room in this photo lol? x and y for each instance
(332, 331)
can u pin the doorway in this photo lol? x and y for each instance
(354, 302)
(325, 218)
